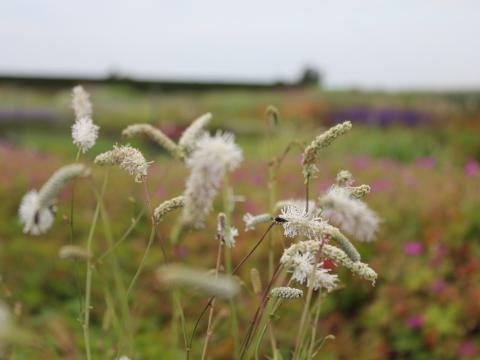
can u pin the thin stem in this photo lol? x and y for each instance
(301, 328)
(124, 236)
(212, 305)
(314, 325)
(72, 237)
(259, 312)
(142, 262)
(89, 274)
(228, 207)
(245, 258)
(121, 294)
(234, 271)
(307, 183)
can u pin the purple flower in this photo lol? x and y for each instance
(415, 322)
(472, 167)
(413, 248)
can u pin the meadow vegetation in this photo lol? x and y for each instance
(420, 154)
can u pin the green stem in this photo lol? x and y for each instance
(228, 209)
(122, 239)
(220, 240)
(126, 342)
(314, 325)
(142, 262)
(89, 274)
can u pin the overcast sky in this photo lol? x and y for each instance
(365, 43)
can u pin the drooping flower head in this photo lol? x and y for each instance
(212, 158)
(155, 135)
(37, 209)
(128, 158)
(253, 220)
(191, 134)
(167, 207)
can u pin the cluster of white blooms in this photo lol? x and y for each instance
(298, 222)
(84, 131)
(231, 233)
(305, 269)
(351, 214)
(128, 158)
(286, 293)
(253, 220)
(295, 256)
(37, 208)
(208, 163)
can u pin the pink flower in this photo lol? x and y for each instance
(360, 162)
(413, 248)
(467, 349)
(472, 167)
(426, 162)
(415, 322)
(438, 286)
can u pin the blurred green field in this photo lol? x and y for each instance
(425, 179)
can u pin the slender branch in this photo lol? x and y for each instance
(245, 258)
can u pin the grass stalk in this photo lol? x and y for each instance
(89, 272)
(212, 305)
(313, 336)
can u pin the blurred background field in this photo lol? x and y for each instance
(420, 152)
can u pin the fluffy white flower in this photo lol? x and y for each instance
(212, 157)
(323, 280)
(298, 222)
(193, 132)
(124, 357)
(36, 219)
(81, 102)
(84, 133)
(230, 236)
(128, 158)
(301, 265)
(37, 209)
(352, 215)
(301, 204)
